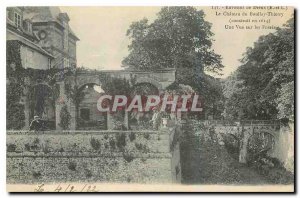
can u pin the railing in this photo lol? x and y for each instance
(240, 122)
(57, 132)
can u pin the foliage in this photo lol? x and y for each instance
(132, 136)
(179, 38)
(36, 174)
(128, 157)
(65, 118)
(232, 144)
(285, 101)
(88, 173)
(11, 148)
(138, 146)
(15, 115)
(263, 86)
(272, 169)
(72, 166)
(20, 80)
(121, 140)
(114, 85)
(147, 136)
(95, 143)
(141, 147)
(112, 143)
(34, 146)
(74, 93)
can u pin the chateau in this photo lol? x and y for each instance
(47, 40)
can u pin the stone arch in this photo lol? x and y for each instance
(260, 141)
(148, 80)
(155, 90)
(87, 115)
(232, 143)
(41, 102)
(41, 83)
(82, 86)
(88, 79)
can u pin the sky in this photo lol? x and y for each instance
(103, 42)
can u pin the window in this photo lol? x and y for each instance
(27, 26)
(66, 35)
(17, 19)
(66, 62)
(85, 114)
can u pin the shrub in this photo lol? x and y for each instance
(72, 166)
(34, 146)
(112, 143)
(65, 118)
(46, 149)
(15, 116)
(145, 149)
(36, 175)
(11, 148)
(121, 140)
(88, 173)
(132, 136)
(36, 141)
(158, 137)
(147, 136)
(27, 147)
(95, 143)
(128, 157)
(138, 146)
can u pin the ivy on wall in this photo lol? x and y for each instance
(65, 118)
(23, 82)
(15, 115)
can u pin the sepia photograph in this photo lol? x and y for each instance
(150, 98)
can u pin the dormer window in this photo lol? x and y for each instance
(17, 19)
(27, 26)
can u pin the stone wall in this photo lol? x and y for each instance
(283, 148)
(106, 156)
(175, 136)
(283, 140)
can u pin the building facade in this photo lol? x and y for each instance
(48, 40)
(45, 40)
(20, 30)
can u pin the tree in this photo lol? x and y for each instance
(266, 78)
(179, 38)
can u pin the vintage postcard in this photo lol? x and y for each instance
(150, 99)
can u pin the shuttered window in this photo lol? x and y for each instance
(17, 19)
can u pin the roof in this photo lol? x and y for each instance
(29, 43)
(45, 14)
